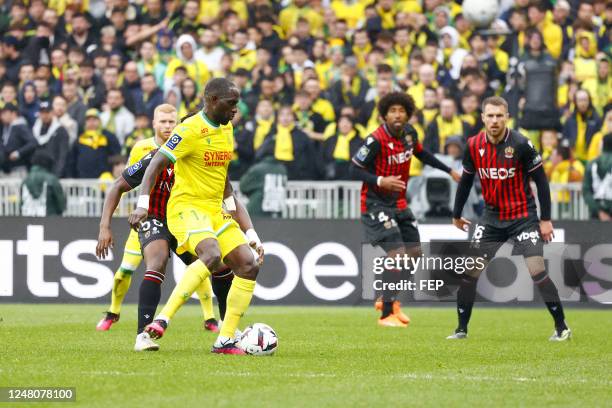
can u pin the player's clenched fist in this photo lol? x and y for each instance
(255, 243)
(546, 230)
(462, 223)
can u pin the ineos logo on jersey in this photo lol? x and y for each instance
(400, 158)
(497, 173)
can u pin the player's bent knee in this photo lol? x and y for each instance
(211, 260)
(157, 263)
(248, 271)
(535, 265)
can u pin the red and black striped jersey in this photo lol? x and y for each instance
(504, 170)
(158, 198)
(385, 155)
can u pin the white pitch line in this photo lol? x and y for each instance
(468, 377)
(115, 373)
(406, 376)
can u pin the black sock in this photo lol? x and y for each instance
(148, 298)
(389, 296)
(465, 301)
(221, 286)
(387, 309)
(550, 295)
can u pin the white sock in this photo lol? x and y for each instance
(222, 340)
(164, 318)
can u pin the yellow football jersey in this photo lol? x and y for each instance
(201, 152)
(141, 149)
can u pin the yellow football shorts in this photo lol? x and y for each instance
(190, 225)
(132, 255)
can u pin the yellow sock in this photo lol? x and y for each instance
(193, 277)
(205, 293)
(121, 284)
(238, 300)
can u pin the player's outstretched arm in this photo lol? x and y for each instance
(242, 216)
(428, 158)
(463, 191)
(105, 235)
(159, 162)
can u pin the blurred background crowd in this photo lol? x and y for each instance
(79, 79)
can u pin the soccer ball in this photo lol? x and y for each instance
(259, 339)
(481, 13)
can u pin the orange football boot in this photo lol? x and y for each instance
(391, 321)
(397, 311)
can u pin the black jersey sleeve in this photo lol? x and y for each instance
(468, 163)
(367, 152)
(543, 188)
(133, 175)
(529, 156)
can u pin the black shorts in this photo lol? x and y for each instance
(154, 229)
(389, 227)
(487, 238)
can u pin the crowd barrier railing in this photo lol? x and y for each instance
(304, 199)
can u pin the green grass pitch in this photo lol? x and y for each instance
(328, 356)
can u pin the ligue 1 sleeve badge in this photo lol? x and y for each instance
(509, 152)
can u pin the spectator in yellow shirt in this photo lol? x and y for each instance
(553, 35)
(190, 102)
(565, 170)
(320, 105)
(430, 109)
(595, 147)
(601, 86)
(289, 16)
(585, 66)
(244, 56)
(361, 47)
(582, 125)
(447, 124)
(427, 78)
(549, 139)
(350, 10)
(561, 17)
(386, 11)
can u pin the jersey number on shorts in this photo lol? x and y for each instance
(146, 225)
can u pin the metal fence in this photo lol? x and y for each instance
(304, 199)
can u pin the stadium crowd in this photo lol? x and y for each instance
(79, 79)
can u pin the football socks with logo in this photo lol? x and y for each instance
(221, 286)
(194, 275)
(121, 284)
(389, 276)
(238, 300)
(148, 298)
(549, 293)
(465, 301)
(205, 293)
